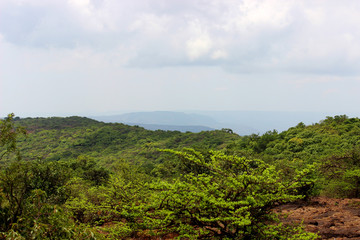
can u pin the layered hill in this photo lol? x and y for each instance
(66, 138)
(111, 178)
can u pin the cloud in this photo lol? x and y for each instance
(219, 54)
(199, 44)
(309, 37)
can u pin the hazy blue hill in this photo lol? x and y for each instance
(161, 118)
(193, 129)
(180, 121)
(247, 122)
(241, 122)
(164, 120)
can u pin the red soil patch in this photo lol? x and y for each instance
(331, 218)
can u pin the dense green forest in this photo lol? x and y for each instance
(77, 178)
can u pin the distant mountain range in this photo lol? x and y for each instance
(248, 122)
(194, 129)
(161, 118)
(241, 122)
(172, 121)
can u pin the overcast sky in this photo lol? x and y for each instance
(78, 57)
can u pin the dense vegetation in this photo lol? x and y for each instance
(77, 178)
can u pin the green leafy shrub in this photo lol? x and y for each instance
(222, 197)
(41, 220)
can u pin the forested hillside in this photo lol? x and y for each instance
(332, 145)
(68, 138)
(77, 178)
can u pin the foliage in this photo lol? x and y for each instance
(79, 178)
(86, 168)
(222, 196)
(342, 173)
(42, 220)
(8, 136)
(29, 194)
(333, 145)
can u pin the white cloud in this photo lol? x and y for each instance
(198, 47)
(270, 13)
(245, 36)
(80, 3)
(150, 24)
(199, 42)
(219, 54)
(91, 18)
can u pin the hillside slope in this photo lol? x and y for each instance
(112, 178)
(67, 138)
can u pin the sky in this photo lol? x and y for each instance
(81, 57)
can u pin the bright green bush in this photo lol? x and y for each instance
(222, 197)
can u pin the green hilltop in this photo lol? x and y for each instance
(77, 178)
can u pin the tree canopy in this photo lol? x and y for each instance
(77, 178)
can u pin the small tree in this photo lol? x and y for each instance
(225, 197)
(8, 136)
(29, 191)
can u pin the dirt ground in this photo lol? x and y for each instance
(331, 218)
